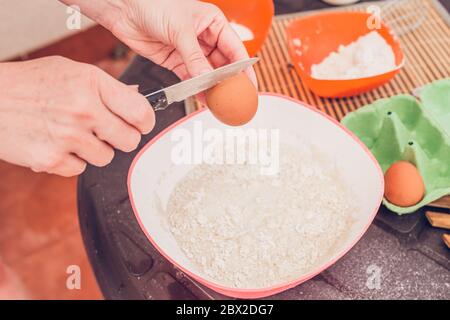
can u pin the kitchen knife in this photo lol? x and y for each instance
(161, 99)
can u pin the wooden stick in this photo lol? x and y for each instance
(438, 220)
(446, 238)
(442, 203)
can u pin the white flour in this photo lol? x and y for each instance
(368, 56)
(246, 230)
(244, 33)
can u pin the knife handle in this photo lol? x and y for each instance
(158, 100)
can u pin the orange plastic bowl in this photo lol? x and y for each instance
(322, 34)
(254, 14)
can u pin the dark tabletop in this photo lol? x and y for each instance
(406, 252)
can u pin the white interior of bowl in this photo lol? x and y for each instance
(153, 176)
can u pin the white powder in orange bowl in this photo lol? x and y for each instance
(368, 56)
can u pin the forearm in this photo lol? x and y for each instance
(104, 12)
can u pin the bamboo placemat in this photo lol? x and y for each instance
(427, 51)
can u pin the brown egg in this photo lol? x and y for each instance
(234, 101)
(404, 186)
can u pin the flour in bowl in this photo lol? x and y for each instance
(247, 230)
(244, 33)
(370, 55)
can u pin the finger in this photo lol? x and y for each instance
(94, 151)
(126, 103)
(229, 43)
(217, 59)
(212, 53)
(230, 46)
(189, 48)
(181, 72)
(116, 132)
(69, 166)
(135, 87)
(176, 64)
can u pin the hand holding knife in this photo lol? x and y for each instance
(161, 99)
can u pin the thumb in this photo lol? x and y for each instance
(192, 54)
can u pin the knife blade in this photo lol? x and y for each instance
(161, 99)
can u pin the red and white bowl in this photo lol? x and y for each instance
(153, 176)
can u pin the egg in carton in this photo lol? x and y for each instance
(403, 128)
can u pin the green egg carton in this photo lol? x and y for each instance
(403, 128)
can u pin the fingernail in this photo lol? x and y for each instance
(134, 86)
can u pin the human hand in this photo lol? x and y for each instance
(186, 36)
(57, 115)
